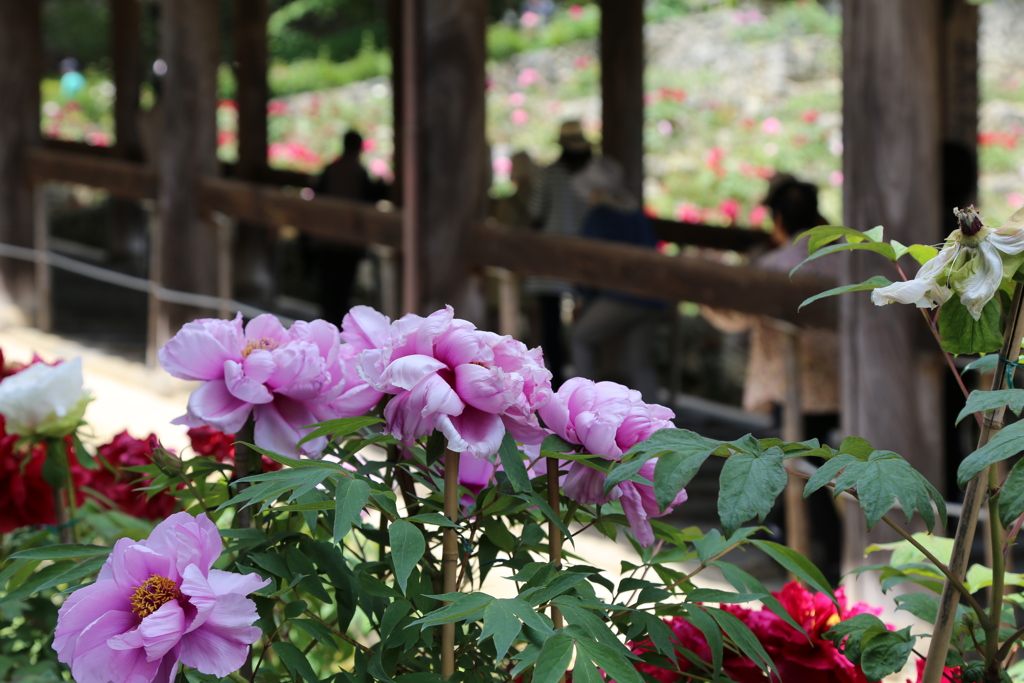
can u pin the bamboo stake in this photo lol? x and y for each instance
(973, 498)
(554, 533)
(450, 555)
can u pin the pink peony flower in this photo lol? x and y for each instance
(528, 77)
(519, 116)
(771, 125)
(835, 178)
(608, 419)
(447, 375)
(730, 208)
(158, 602)
(576, 11)
(758, 215)
(688, 213)
(517, 99)
(284, 378)
(529, 19)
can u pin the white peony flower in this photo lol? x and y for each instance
(972, 264)
(44, 400)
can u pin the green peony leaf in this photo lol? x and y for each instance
(981, 401)
(749, 486)
(1006, 443)
(885, 477)
(512, 461)
(1011, 496)
(554, 659)
(501, 624)
(882, 248)
(962, 334)
(407, 547)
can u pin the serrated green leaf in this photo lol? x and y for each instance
(618, 668)
(749, 486)
(798, 565)
(501, 624)
(827, 472)
(886, 653)
(296, 662)
(743, 581)
(984, 364)
(871, 283)
(351, 497)
(1006, 443)
(512, 462)
(407, 547)
(699, 617)
(584, 671)
(61, 552)
(981, 401)
(553, 660)
(962, 334)
(680, 455)
(34, 581)
(883, 479)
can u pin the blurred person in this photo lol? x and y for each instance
(615, 215)
(557, 209)
(514, 210)
(71, 79)
(345, 178)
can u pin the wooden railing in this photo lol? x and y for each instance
(591, 263)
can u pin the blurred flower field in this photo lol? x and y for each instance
(732, 95)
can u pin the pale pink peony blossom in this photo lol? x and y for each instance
(158, 602)
(284, 378)
(444, 374)
(608, 419)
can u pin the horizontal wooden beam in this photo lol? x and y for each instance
(326, 218)
(710, 236)
(644, 272)
(123, 179)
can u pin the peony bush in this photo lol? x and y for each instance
(401, 500)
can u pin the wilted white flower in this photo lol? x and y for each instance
(44, 400)
(971, 264)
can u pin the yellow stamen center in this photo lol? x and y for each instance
(832, 621)
(154, 592)
(262, 344)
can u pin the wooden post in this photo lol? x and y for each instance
(622, 88)
(554, 533)
(44, 276)
(444, 188)
(20, 53)
(127, 221)
(958, 44)
(253, 249)
(892, 131)
(798, 532)
(188, 150)
(126, 49)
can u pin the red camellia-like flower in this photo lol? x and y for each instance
(121, 487)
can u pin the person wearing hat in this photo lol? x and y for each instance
(615, 215)
(557, 209)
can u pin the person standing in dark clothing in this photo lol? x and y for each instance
(557, 209)
(345, 178)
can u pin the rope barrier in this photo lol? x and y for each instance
(138, 284)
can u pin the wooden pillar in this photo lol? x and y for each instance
(396, 43)
(444, 150)
(127, 226)
(892, 130)
(251, 76)
(188, 148)
(126, 51)
(622, 87)
(21, 56)
(958, 44)
(253, 244)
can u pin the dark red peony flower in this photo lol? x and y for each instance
(808, 659)
(25, 497)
